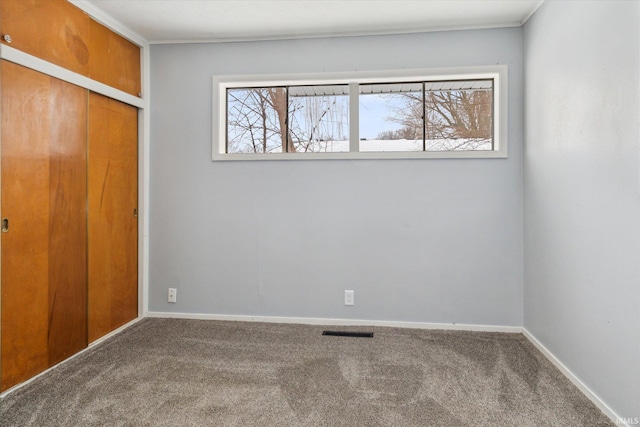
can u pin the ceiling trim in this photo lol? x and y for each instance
(340, 34)
(531, 12)
(109, 21)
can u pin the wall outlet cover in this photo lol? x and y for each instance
(173, 295)
(349, 298)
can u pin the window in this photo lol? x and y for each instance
(253, 120)
(459, 114)
(288, 119)
(391, 117)
(319, 119)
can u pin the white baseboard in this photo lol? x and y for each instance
(575, 380)
(91, 345)
(337, 322)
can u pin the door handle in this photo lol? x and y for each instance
(5, 225)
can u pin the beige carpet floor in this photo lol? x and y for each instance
(167, 372)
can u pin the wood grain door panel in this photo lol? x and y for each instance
(67, 221)
(60, 33)
(44, 198)
(53, 30)
(113, 228)
(115, 61)
(25, 202)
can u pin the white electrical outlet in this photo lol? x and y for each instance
(173, 294)
(348, 297)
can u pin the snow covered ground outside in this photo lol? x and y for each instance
(430, 145)
(378, 145)
(389, 145)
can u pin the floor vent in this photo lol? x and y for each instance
(348, 334)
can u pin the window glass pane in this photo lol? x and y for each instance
(391, 117)
(446, 115)
(256, 120)
(459, 115)
(319, 118)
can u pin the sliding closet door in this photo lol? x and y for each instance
(44, 239)
(67, 221)
(113, 223)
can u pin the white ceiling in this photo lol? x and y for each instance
(170, 21)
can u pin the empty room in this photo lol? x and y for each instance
(320, 213)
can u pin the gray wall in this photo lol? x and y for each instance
(418, 240)
(582, 193)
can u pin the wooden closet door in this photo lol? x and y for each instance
(67, 221)
(113, 223)
(44, 276)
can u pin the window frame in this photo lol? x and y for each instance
(496, 72)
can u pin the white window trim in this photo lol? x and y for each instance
(496, 72)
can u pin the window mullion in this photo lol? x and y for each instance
(285, 149)
(354, 117)
(424, 117)
(493, 114)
